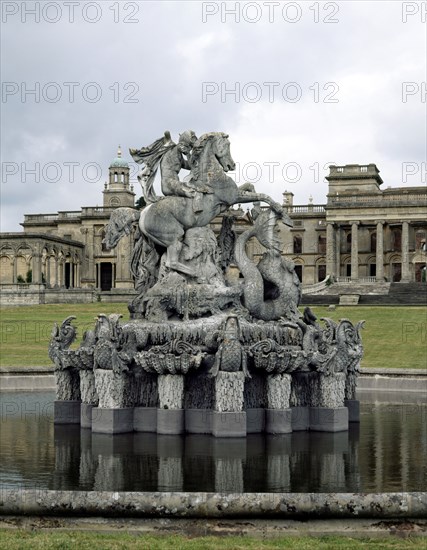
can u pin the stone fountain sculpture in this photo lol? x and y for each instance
(199, 355)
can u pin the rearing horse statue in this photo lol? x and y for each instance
(165, 222)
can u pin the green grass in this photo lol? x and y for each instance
(25, 331)
(394, 337)
(21, 539)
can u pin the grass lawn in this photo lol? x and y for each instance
(394, 337)
(92, 541)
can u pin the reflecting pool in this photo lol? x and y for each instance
(386, 452)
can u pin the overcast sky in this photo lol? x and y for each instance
(314, 83)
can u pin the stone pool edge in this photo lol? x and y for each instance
(213, 505)
(43, 379)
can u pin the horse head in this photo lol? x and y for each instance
(211, 150)
(221, 150)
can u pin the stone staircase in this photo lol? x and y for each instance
(408, 293)
(371, 294)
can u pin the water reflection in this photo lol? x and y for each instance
(387, 452)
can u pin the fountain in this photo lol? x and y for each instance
(199, 355)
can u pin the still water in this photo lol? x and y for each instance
(386, 452)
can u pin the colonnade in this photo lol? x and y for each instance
(334, 250)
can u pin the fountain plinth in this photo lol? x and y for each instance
(199, 355)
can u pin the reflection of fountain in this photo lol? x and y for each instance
(298, 462)
(198, 355)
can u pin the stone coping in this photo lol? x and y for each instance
(363, 371)
(213, 505)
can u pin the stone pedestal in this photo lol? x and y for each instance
(198, 421)
(278, 418)
(113, 389)
(170, 415)
(328, 413)
(66, 412)
(353, 406)
(278, 421)
(87, 387)
(323, 419)
(170, 421)
(67, 384)
(112, 421)
(228, 424)
(328, 391)
(145, 419)
(255, 421)
(86, 415)
(228, 418)
(300, 418)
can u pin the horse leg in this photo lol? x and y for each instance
(247, 196)
(172, 258)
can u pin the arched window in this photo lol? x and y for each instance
(321, 272)
(297, 244)
(420, 240)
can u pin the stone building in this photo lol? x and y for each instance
(65, 251)
(363, 234)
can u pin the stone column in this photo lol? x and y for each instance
(36, 267)
(56, 272)
(170, 415)
(15, 270)
(327, 411)
(114, 413)
(48, 284)
(228, 418)
(405, 252)
(61, 273)
(354, 251)
(278, 417)
(337, 251)
(330, 249)
(380, 251)
(78, 282)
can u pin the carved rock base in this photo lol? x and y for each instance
(328, 391)
(198, 421)
(353, 406)
(328, 420)
(67, 385)
(229, 424)
(278, 391)
(66, 412)
(145, 419)
(86, 415)
(300, 419)
(170, 421)
(255, 421)
(112, 421)
(171, 391)
(229, 391)
(87, 387)
(278, 421)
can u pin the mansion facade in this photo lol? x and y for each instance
(362, 233)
